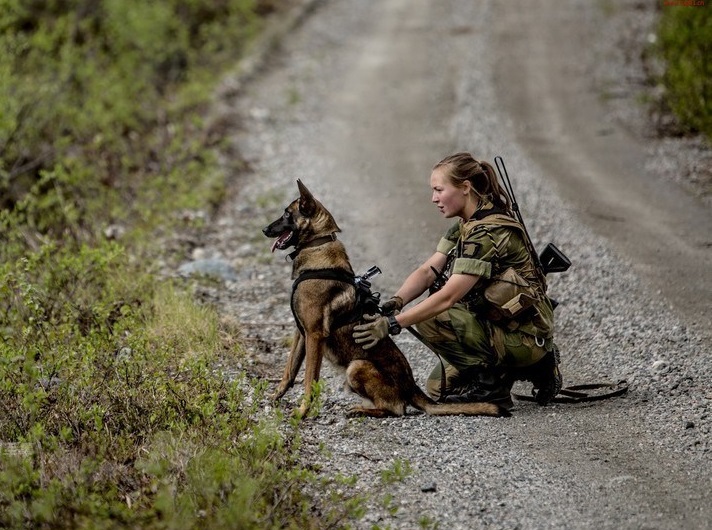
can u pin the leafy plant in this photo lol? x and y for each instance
(114, 411)
(686, 45)
(399, 470)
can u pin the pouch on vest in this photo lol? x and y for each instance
(509, 295)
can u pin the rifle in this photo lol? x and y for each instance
(366, 299)
(551, 258)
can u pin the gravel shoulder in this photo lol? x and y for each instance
(359, 101)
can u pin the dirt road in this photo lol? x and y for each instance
(544, 79)
(359, 102)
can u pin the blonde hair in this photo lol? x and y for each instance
(463, 167)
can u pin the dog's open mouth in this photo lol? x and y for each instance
(283, 240)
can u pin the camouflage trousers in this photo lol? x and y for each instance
(467, 343)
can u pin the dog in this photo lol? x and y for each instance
(323, 295)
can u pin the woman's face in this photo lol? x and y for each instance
(451, 200)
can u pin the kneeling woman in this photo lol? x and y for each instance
(491, 322)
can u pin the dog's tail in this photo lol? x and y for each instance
(423, 402)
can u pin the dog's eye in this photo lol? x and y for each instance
(287, 214)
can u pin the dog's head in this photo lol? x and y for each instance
(303, 220)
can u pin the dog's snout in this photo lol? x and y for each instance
(270, 230)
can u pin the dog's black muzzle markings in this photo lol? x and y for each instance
(284, 230)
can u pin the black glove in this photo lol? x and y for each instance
(392, 306)
(368, 335)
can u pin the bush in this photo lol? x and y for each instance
(114, 411)
(124, 418)
(101, 91)
(686, 45)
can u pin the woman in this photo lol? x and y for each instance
(491, 322)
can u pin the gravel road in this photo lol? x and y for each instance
(359, 100)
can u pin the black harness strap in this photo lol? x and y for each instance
(339, 275)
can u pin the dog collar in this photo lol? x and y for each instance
(313, 243)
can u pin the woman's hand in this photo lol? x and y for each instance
(392, 306)
(368, 335)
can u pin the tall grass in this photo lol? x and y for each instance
(112, 411)
(686, 45)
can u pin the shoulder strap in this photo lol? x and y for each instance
(494, 219)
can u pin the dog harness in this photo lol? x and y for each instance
(339, 275)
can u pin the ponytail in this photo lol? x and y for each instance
(463, 167)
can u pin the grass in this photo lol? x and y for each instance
(113, 410)
(685, 44)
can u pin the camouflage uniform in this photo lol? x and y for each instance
(470, 337)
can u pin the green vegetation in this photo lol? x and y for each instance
(399, 470)
(113, 411)
(686, 45)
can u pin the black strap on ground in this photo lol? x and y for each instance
(585, 392)
(570, 394)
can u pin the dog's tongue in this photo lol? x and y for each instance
(281, 239)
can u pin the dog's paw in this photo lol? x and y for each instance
(279, 393)
(303, 410)
(354, 411)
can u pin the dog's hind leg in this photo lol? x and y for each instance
(294, 363)
(367, 381)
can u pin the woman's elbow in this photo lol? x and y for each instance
(451, 299)
(427, 276)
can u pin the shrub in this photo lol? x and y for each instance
(114, 411)
(686, 45)
(101, 91)
(125, 418)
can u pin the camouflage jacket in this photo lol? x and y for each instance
(486, 245)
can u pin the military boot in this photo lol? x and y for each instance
(546, 378)
(484, 387)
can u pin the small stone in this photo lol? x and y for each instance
(661, 367)
(216, 268)
(429, 487)
(114, 232)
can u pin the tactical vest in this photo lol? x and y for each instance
(514, 298)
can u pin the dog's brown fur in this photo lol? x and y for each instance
(380, 375)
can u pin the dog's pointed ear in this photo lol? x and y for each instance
(307, 203)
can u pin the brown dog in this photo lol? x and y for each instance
(323, 297)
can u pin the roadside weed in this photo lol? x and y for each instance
(399, 471)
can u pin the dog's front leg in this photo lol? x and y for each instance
(314, 353)
(291, 369)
